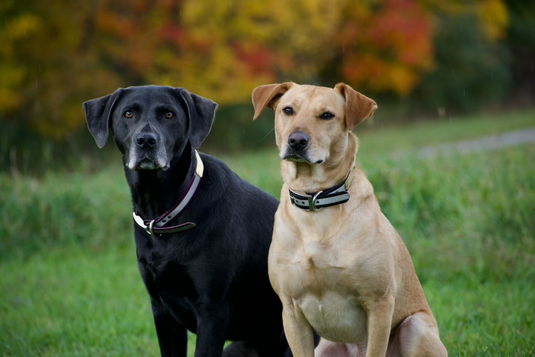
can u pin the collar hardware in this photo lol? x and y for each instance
(312, 202)
(149, 230)
(316, 201)
(156, 227)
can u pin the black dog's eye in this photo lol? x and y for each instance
(288, 111)
(128, 114)
(327, 116)
(169, 115)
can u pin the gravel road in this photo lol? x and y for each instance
(486, 143)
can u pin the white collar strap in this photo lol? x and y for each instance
(157, 226)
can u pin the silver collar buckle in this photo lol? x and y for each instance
(312, 202)
(148, 229)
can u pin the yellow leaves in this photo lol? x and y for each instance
(217, 75)
(493, 17)
(205, 19)
(22, 26)
(12, 70)
(245, 42)
(401, 79)
(453, 7)
(16, 29)
(218, 49)
(9, 100)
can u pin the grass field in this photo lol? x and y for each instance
(70, 287)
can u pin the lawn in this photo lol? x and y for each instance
(70, 287)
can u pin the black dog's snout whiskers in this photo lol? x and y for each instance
(146, 140)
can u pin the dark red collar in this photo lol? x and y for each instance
(157, 226)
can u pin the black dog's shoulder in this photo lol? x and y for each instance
(231, 182)
(237, 207)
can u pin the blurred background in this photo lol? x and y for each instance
(420, 59)
(450, 151)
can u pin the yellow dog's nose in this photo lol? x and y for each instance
(298, 140)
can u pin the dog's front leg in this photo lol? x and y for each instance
(298, 331)
(172, 337)
(212, 322)
(379, 313)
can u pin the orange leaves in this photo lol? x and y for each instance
(387, 48)
(259, 60)
(57, 54)
(379, 75)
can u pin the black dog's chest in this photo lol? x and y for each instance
(171, 284)
(178, 295)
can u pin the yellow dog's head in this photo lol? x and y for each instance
(312, 123)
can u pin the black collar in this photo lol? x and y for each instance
(315, 201)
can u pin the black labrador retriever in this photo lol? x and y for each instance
(205, 269)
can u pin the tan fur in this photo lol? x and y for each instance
(343, 271)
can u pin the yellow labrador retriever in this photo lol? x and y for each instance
(336, 262)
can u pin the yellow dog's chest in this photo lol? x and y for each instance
(331, 308)
(334, 316)
(321, 288)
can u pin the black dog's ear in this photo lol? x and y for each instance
(201, 112)
(97, 113)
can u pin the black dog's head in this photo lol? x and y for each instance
(150, 124)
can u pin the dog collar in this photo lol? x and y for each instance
(158, 226)
(335, 195)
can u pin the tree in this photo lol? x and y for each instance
(55, 55)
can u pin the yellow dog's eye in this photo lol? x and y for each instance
(288, 111)
(327, 116)
(128, 114)
(169, 115)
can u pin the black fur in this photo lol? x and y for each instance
(211, 280)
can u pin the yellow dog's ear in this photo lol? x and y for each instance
(358, 106)
(267, 95)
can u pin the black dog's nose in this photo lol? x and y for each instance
(146, 140)
(298, 140)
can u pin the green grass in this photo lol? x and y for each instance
(74, 302)
(386, 137)
(70, 287)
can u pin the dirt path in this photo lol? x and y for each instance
(485, 143)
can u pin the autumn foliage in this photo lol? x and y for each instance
(54, 55)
